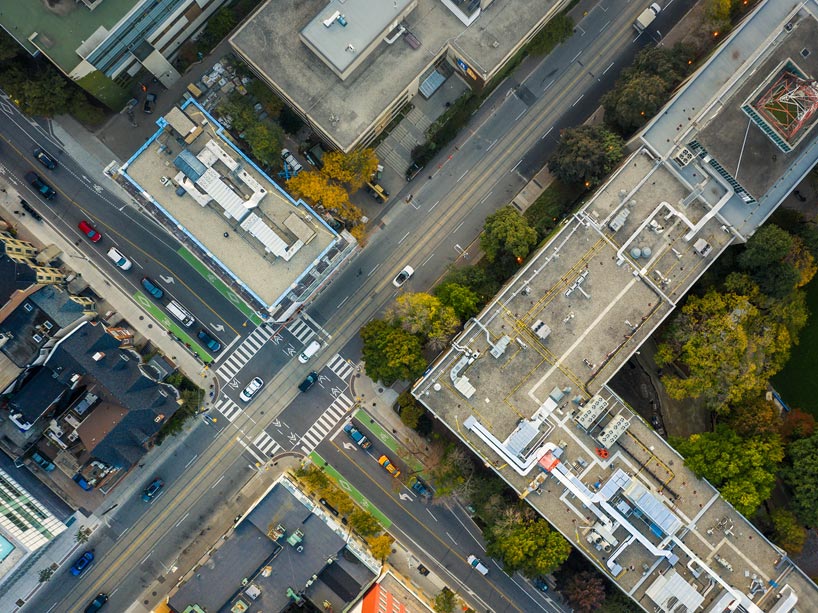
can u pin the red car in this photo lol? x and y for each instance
(86, 229)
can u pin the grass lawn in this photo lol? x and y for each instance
(797, 383)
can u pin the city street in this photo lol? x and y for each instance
(507, 142)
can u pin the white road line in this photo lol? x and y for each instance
(217, 482)
(430, 513)
(461, 176)
(608, 68)
(486, 197)
(451, 537)
(404, 238)
(575, 57)
(433, 206)
(192, 460)
(459, 226)
(549, 85)
(340, 304)
(373, 270)
(494, 142)
(520, 115)
(181, 520)
(607, 23)
(426, 261)
(515, 166)
(547, 133)
(467, 529)
(577, 100)
(146, 557)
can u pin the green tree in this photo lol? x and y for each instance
(42, 93)
(743, 469)
(445, 601)
(728, 348)
(265, 139)
(425, 315)
(632, 102)
(354, 168)
(391, 353)
(82, 536)
(453, 474)
(364, 523)
(411, 411)
(8, 47)
(218, 26)
(271, 103)
(506, 232)
(787, 532)
(717, 14)
(525, 542)
(585, 591)
(475, 278)
(464, 300)
(559, 29)
(586, 155)
(776, 260)
(802, 476)
(46, 574)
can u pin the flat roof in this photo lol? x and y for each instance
(234, 212)
(59, 29)
(345, 109)
(343, 29)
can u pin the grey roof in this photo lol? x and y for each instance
(217, 585)
(117, 376)
(39, 391)
(57, 304)
(22, 324)
(13, 276)
(44, 495)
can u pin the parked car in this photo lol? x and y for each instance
(152, 491)
(254, 386)
(153, 289)
(82, 563)
(43, 462)
(80, 480)
(419, 486)
(30, 210)
(475, 563)
(97, 603)
(211, 343)
(89, 231)
(423, 570)
(45, 159)
(150, 103)
(45, 190)
(329, 507)
(119, 259)
(308, 382)
(403, 276)
(413, 171)
(355, 435)
(390, 468)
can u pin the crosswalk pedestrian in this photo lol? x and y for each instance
(341, 366)
(302, 331)
(228, 408)
(326, 422)
(244, 352)
(266, 444)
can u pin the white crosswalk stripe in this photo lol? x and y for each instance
(301, 331)
(334, 413)
(266, 444)
(340, 366)
(242, 354)
(228, 408)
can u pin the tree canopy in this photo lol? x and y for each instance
(463, 300)
(787, 532)
(586, 155)
(317, 189)
(524, 541)
(585, 591)
(506, 232)
(391, 353)
(426, 316)
(742, 468)
(354, 168)
(777, 261)
(802, 476)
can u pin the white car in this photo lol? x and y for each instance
(119, 259)
(403, 276)
(248, 392)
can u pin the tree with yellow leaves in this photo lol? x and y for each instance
(380, 546)
(354, 168)
(316, 188)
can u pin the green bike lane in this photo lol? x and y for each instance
(172, 327)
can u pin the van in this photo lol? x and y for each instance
(310, 351)
(180, 313)
(475, 563)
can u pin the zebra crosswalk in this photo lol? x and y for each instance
(334, 413)
(341, 367)
(302, 331)
(228, 408)
(266, 444)
(244, 352)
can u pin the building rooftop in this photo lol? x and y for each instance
(59, 28)
(279, 546)
(345, 109)
(232, 214)
(525, 384)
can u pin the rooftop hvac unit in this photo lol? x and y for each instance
(683, 156)
(541, 329)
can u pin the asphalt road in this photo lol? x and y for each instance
(153, 252)
(506, 142)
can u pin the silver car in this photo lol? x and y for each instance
(254, 386)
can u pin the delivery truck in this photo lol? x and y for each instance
(646, 17)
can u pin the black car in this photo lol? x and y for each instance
(45, 159)
(97, 603)
(46, 191)
(413, 171)
(308, 382)
(329, 507)
(150, 103)
(30, 210)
